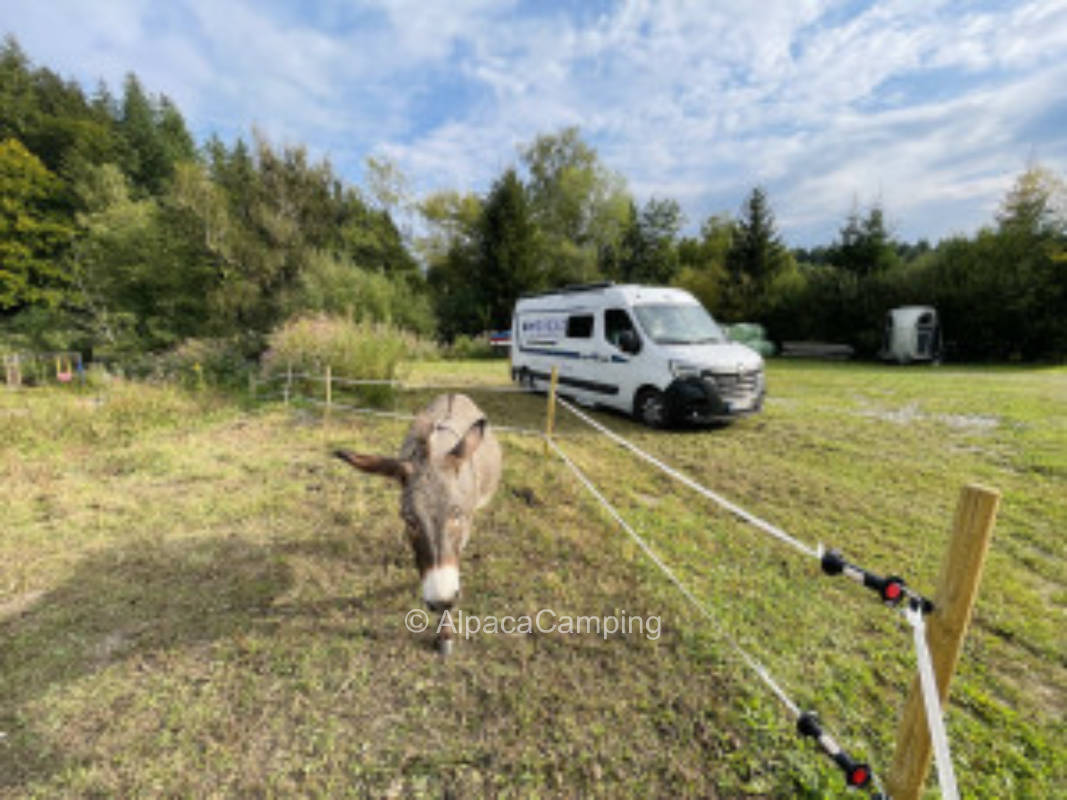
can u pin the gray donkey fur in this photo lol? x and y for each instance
(448, 467)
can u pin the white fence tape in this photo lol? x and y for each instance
(412, 387)
(401, 415)
(733, 508)
(748, 660)
(946, 775)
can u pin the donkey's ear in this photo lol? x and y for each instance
(466, 446)
(378, 465)
(421, 428)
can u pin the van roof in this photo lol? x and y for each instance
(570, 288)
(624, 294)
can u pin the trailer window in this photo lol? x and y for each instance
(580, 326)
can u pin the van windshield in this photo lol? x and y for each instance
(679, 324)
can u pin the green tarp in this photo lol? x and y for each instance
(751, 334)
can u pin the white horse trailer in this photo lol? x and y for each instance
(912, 333)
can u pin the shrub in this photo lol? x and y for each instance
(358, 350)
(97, 377)
(464, 346)
(221, 363)
(331, 285)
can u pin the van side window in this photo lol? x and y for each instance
(616, 320)
(580, 326)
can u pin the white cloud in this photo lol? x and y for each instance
(932, 106)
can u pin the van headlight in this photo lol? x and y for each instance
(684, 369)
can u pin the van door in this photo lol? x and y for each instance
(577, 356)
(615, 372)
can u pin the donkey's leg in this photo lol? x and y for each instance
(443, 642)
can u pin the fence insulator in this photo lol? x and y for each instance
(857, 774)
(892, 588)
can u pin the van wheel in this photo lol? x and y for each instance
(650, 407)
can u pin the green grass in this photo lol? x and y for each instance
(196, 601)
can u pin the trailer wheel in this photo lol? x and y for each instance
(650, 407)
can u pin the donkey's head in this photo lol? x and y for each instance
(438, 496)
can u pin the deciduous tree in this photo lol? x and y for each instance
(580, 206)
(33, 234)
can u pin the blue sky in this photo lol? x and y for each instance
(931, 108)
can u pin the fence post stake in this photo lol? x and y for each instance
(957, 588)
(288, 381)
(252, 385)
(550, 418)
(329, 390)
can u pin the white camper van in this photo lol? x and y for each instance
(912, 333)
(649, 351)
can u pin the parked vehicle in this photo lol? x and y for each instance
(912, 333)
(653, 352)
(750, 334)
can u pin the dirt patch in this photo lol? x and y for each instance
(971, 421)
(911, 414)
(15, 606)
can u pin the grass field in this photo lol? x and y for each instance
(196, 601)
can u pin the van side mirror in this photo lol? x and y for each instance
(629, 343)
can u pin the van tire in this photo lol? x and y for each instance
(650, 407)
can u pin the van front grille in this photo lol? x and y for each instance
(738, 386)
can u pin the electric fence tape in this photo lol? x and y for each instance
(946, 775)
(733, 508)
(856, 774)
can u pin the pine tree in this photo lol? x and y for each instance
(755, 258)
(148, 149)
(865, 246)
(506, 249)
(17, 104)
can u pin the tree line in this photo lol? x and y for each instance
(119, 235)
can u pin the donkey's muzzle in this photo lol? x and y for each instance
(440, 587)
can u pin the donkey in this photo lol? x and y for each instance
(448, 467)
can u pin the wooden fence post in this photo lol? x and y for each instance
(957, 588)
(329, 391)
(550, 418)
(288, 381)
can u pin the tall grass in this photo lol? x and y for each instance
(109, 410)
(222, 363)
(357, 350)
